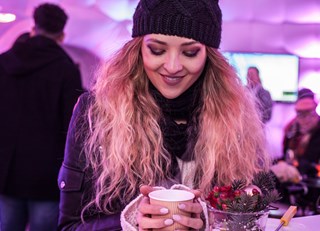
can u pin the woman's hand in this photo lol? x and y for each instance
(145, 209)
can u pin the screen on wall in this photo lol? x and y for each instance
(279, 73)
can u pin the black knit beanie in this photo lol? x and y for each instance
(196, 19)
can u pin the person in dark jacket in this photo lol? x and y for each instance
(39, 86)
(166, 110)
(301, 153)
(301, 143)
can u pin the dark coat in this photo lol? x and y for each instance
(39, 85)
(311, 153)
(75, 181)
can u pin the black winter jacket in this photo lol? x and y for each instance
(75, 181)
(39, 85)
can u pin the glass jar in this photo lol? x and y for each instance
(235, 221)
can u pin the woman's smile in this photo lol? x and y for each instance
(172, 80)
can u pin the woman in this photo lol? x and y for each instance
(166, 109)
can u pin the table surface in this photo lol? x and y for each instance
(307, 223)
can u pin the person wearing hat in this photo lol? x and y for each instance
(301, 152)
(301, 143)
(167, 110)
(39, 86)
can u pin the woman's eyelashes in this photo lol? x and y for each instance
(156, 51)
(187, 53)
(191, 53)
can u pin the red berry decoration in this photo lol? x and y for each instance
(237, 193)
(240, 197)
(241, 205)
(220, 197)
(252, 190)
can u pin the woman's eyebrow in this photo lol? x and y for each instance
(156, 41)
(189, 43)
(164, 43)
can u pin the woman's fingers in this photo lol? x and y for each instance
(146, 208)
(196, 192)
(190, 207)
(145, 189)
(147, 223)
(194, 223)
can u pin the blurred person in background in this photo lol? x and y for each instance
(301, 154)
(39, 86)
(22, 38)
(301, 143)
(264, 100)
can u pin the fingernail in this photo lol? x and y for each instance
(181, 206)
(176, 217)
(164, 210)
(168, 222)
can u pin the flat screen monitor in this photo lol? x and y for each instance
(279, 73)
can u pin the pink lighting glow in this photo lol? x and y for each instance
(310, 13)
(311, 80)
(118, 10)
(310, 49)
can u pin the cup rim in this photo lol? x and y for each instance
(175, 195)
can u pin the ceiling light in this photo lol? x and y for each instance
(7, 17)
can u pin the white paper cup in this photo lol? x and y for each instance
(171, 198)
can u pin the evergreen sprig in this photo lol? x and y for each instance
(243, 199)
(244, 204)
(238, 184)
(265, 181)
(268, 198)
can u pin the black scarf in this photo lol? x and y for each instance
(180, 139)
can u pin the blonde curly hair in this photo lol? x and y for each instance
(124, 146)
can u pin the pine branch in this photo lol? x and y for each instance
(265, 181)
(246, 203)
(238, 184)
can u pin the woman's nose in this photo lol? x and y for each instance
(173, 64)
